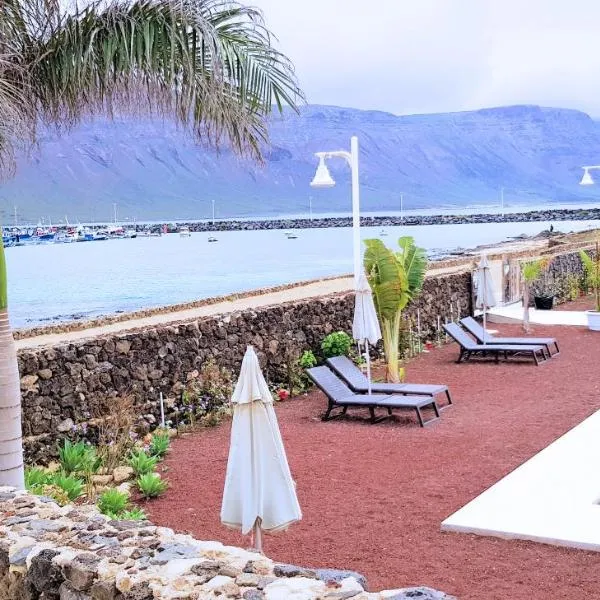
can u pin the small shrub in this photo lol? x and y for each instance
(151, 485)
(72, 486)
(72, 456)
(307, 360)
(336, 344)
(53, 491)
(115, 432)
(142, 463)
(133, 514)
(113, 502)
(35, 477)
(211, 419)
(159, 445)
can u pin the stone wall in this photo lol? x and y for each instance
(565, 270)
(48, 552)
(76, 384)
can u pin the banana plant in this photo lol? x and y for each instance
(11, 452)
(395, 279)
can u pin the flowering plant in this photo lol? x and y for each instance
(283, 394)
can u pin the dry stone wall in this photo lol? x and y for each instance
(74, 385)
(48, 552)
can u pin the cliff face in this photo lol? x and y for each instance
(152, 170)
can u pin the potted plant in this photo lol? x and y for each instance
(530, 272)
(591, 267)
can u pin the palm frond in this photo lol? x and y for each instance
(386, 278)
(208, 64)
(414, 261)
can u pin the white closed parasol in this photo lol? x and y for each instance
(365, 326)
(259, 493)
(485, 291)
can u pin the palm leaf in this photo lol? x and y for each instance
(414, 262)
(386, 278)
(208, 64)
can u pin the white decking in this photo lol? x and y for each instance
(513, 313)
(552, 498)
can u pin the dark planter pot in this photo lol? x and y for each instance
(544, 302)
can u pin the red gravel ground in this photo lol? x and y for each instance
(373, 496)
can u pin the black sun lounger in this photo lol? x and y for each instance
(340, 396)
(469, 348)
(477, 331)
(358, 382)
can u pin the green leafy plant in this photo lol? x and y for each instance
(72, 486)
(133, 514)
(141, 463)
(307, 360)
(52, 491)
(72, 456)
(337, 343)
(113, 502)
(159, 445)
(572, 283)
(151, 485)
(36, 477)
(395, 279)
(591, 268)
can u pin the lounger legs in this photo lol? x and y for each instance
(449, 396)
(436, 410)
(419, 416)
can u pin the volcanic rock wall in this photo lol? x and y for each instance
(71, 386)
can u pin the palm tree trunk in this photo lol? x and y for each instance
(11, 443)
(390, 345)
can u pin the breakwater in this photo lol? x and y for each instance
(575, 214)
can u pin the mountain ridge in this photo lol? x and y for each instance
(153, 170)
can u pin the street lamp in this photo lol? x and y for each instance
(323, 179)
(587, 178)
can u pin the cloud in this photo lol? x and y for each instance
(442, 55)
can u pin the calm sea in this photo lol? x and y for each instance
(57, 282)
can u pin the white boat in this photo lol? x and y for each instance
(212, 239)
(184, 232)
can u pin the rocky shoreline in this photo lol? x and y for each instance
(574, 214)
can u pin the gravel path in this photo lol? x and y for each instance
(374, 496)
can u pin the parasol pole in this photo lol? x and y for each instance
(368, 357)
(257, 536)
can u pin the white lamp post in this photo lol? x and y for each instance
(587, 178)
(323, 179)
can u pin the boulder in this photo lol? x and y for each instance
(122, 474)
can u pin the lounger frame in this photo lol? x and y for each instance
(357, 381)
(469, 349)
(340, 396)
(477, 331)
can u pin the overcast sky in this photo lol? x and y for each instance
(416, 56)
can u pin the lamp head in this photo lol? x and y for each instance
(587, 178)
(322, 178)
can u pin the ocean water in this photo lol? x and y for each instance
(59, 282)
